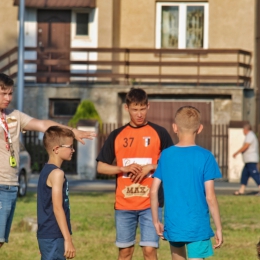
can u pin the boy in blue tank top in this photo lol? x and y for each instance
(53, 211)
(187, 173)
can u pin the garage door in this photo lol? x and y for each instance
(162, 113)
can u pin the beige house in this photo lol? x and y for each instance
(201, 53)
(182, 52)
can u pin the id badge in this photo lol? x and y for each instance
(12, 161)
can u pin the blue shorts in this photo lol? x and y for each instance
(8, 195)
(250, 170)
(126, 225)
(197, 249)
(52, 248)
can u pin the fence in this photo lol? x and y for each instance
(39, 156)
(213, 138)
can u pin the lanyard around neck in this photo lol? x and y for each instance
(9, 145)
(5, 127)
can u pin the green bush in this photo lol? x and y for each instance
(85, 110)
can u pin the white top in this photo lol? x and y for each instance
(251, 155)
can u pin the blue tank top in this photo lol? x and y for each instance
(47, 223)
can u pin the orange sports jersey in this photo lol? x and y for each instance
(141, 145)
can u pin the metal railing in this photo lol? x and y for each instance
(134, 65)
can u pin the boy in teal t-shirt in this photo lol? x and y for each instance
(187, 172)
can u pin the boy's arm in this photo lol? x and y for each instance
(154, 206)
(214, 210)
(55, 180)
(109, 169)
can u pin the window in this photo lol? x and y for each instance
(82, 24)
(63, 107)
(181, 25)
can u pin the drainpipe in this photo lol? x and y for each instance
(20, 77)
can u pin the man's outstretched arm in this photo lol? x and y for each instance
(43, 125)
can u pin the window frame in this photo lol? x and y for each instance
(51, 107)
(76, 16)
(74, 24)
(182, 23)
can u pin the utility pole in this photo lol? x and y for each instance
(20, 77)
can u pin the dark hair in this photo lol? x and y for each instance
(5, 81)
(54, 135)
(136, 96)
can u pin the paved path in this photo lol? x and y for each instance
(79, 185)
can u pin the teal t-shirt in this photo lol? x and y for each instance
(183, 172)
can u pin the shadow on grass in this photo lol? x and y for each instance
(32, 196)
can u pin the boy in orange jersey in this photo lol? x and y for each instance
(136, 148)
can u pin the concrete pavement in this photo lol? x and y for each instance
(81, 185)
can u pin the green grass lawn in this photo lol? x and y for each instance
(92, 218)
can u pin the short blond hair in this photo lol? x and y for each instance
(187, 118)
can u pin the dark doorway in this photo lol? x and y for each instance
(53, 36)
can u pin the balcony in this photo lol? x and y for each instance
(197, 67)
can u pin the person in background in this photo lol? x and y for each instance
(250, 154)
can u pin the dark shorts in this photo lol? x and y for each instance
(250, 170)
(52, 249)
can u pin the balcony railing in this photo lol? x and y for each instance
(133, 66)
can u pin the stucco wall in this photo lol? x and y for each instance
(105, 22)
(9, 27)
(137, 23)
(231, 26)
(231, 23)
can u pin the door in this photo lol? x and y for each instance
(54, 33)
(162, 113)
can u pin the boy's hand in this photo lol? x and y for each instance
(70, 251)
(218, 239)
(133, 169)
(159, 229)
(80, 135)
(142, 174)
